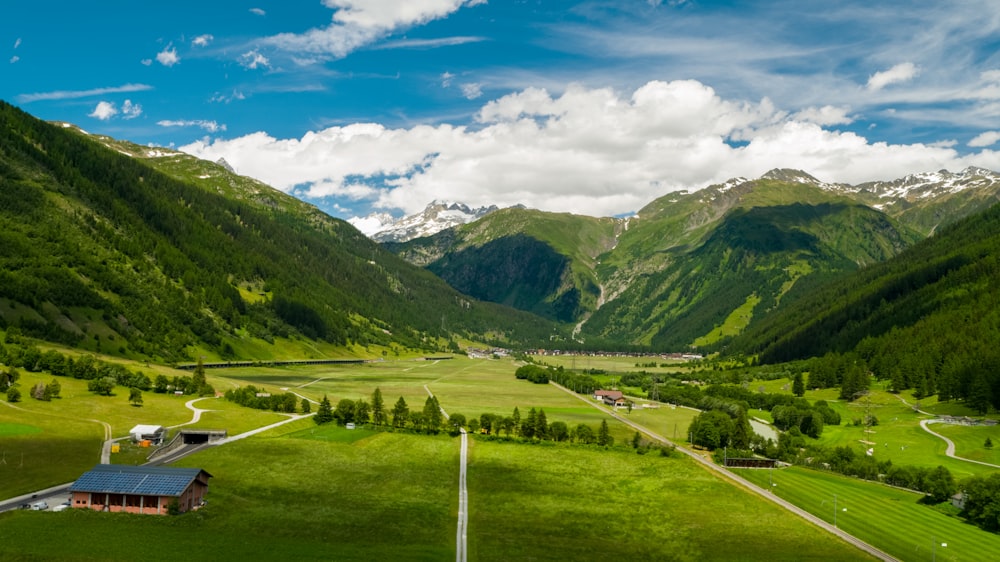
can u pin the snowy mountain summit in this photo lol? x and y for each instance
(437, 216)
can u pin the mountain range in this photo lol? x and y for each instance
(148, 252)
(695, 268)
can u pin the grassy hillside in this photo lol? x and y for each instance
(105, 253)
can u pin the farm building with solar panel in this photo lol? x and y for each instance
(140, 489)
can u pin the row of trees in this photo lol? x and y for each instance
(253, 397)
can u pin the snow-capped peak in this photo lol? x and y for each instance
(437, 216)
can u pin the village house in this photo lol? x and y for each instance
(611, 397)
(140, 489)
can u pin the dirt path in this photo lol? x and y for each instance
(733, 479)
(196, 416)
(950, 450)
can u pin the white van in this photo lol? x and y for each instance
(39, 506)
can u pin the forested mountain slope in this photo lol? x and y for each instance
(697, 268)
(101, 251)
(928, 319)
(532, 260)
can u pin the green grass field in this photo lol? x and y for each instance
(327, 493)
(888, 518)
(554, 503)
(313, 494)
(969, 441)
(470, 387)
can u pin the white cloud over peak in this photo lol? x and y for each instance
(105, 110)
(357, 23)
(902, 72)
(988, 138)
(593, 151)
(210, 126)
(168, 56)
(202, 40)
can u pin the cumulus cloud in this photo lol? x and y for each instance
(202, 40)
(105, 110)
(210, 126)
(131, 110)
(902, 72)
(168, 56)
(147, 62)
(257, 11)
(597, 151)
(253, 60)
(446, 79)
(356, 24)
(14, 59)
(988, 138)
(825, 116)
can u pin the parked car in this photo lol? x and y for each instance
(62, 506)
(39, 506)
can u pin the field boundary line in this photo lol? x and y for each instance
(740, 482)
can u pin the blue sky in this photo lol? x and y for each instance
(593, 107)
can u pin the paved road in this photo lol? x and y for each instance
(732, 478)
(461, 534)
(461, 544)
(245, 434)
(950, 451)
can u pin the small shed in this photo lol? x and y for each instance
(140, 489)
(152, 433)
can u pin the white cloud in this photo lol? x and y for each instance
(131, 110)
(147, 62)
(14, 59)
(168, 56)
(257, 11)
(253, 59)
(356, 24)
(221, 98)
(17, 43)
(210, 126)
(73, 94)
(202, 40)
(988, 138)
(593, 151)
(472, 90)
(105, 110)
(824, 116)
(446, 79)
(902, 72)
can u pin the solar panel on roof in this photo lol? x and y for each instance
(119, 479)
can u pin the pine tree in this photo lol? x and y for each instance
(798, 385)
(432, 415)
(306, 407)
(517, 421)
(400, 413)
(378, 408)
(528, 425)
(198, 380)
(988, 443)
(604, 435)
(541, 425)
(325, 412)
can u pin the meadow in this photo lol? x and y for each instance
(328, 493)
(888, 518)
(470, 387)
